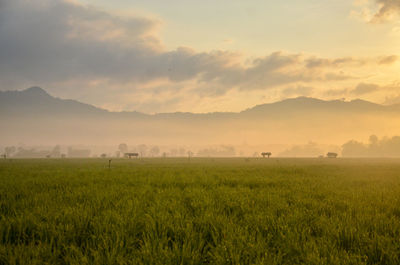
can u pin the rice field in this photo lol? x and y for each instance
(200, 211)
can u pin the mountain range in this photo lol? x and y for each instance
(34, 116)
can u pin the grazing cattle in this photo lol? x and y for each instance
(266, 154)
(331, 155)
(129, 155)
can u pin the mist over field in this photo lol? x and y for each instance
(294, 127)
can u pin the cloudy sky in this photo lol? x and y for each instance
(201, 56)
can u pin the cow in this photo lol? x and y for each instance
(331, 155)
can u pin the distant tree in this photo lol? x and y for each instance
(142, 149)
(354, 149)
(103, 155)
(30, 153)
(373, 140)
(174, 152)
(220, 151)
(154, 151)
(123, 148)
(9, 150)
(56, 152)
(385, 147)
(182, 151)
(374, 148)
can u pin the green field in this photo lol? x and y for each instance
(202, 211)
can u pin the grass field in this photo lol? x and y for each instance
(203, 211)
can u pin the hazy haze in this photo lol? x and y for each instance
(34, 117)
(295, 77)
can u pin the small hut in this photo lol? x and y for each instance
(331, 155)
(266, 154)
(130, 155)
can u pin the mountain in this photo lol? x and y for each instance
(306, 104)
(36, 100)
(32, 115)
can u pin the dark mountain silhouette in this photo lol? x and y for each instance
(36, 100)
(306, 104)
(34, 114)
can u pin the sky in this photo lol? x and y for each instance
(201, 56)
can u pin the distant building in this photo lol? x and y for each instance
(331, 155)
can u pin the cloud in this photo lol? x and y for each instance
(314, 62)
(377, 11)
(56, 40)
(388, 59)
(394, 95)
(387, 10)
(67, 46)
(336, 92)
(297, 91)
(367, 90)
(392, 100)
(274, 70)
(50, 42)
(364, 88)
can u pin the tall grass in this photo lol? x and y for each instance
(202, 211)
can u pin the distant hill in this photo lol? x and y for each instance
(36, 100)
(306, 104)
(32, 115)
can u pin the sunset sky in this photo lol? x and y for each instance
(201, 56)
